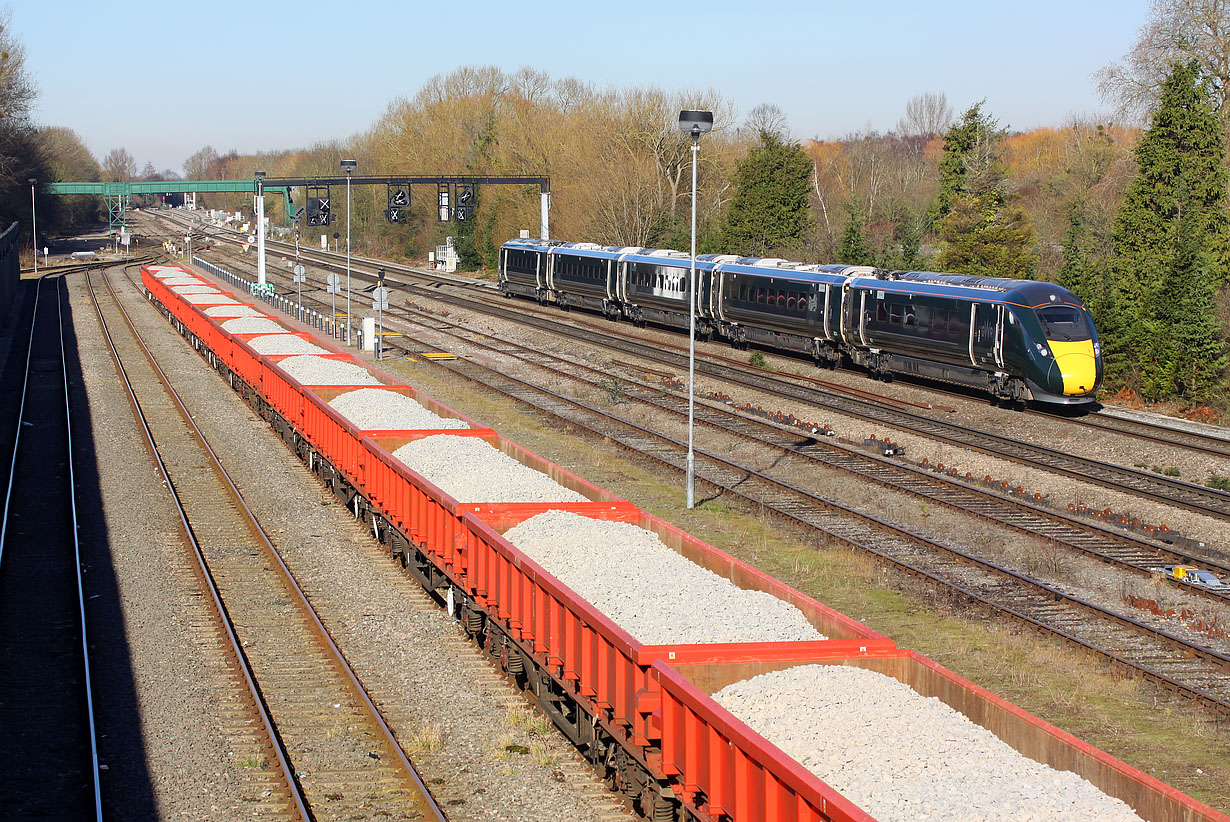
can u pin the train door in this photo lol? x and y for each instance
(986, 335)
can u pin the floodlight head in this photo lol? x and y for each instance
(260, 175)
(349, 165)
(695, 122)
(33, 181)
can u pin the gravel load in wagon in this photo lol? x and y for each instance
(194, 289)
(470, 469)
(378, 409)
(899, 755)
(170, 281)
(253, 325)
(658, 595)
(284, 344)
(310, 370)
(220, 311)
(208, 299)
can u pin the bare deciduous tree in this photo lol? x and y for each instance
(768, 119)
(1175, 30)
(925, 115)
(197, 166)
(118, 166)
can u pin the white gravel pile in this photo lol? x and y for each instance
(378, 409)
(208, 299)
(195, 289)
(183, 280)
(253, 325)
(470, 469)
(285, 344)
(310, 370)
(657, 595)
(903, 757)
(233, 311)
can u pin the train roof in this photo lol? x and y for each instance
(1030, 293)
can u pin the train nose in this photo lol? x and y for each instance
(1077, 365)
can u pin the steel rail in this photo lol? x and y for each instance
(342, 666)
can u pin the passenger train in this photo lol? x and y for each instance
(1017, 340)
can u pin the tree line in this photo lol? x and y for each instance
(1131, 218)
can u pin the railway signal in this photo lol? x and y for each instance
(442, 202)
(318, 212)
(393, 214)
(399, 195)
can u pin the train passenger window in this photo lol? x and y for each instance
(781, 300)
(924, 319)
(939, 325)
(955, 327)
(894, 314)
(760, 296)
(791, 303)
(910, 320)
(881, 312)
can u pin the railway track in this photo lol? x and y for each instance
(1079, 535)
(858, 404)
(1195, 672)
(336, 754)
(49, 764)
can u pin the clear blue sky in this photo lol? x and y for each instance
(163, 79)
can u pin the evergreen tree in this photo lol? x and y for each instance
(960, 142)
(982, 232)
(1191, 352)
(770, 206)
(854, 249)
(1073, 274)
(1172, 221)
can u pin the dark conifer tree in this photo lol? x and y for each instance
(770, 209)
(1172, 221)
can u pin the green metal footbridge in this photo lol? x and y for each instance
(118, 196)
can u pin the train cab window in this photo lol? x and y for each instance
(1063, 323)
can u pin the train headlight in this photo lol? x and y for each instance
(1042, 349)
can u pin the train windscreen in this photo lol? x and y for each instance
(1064, 323)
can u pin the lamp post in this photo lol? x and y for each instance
(694, 123)
(348, 166)
(260, 229)
(33, 225)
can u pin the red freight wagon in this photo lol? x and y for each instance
(431, 518)
(596, 659)
(717, 765)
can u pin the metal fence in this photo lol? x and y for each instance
(10, 271)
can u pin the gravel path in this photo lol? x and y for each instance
(170, 740)
(903, 757)
(378, 409)
(657, 595)
(470, 469)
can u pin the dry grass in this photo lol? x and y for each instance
(426, 738)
